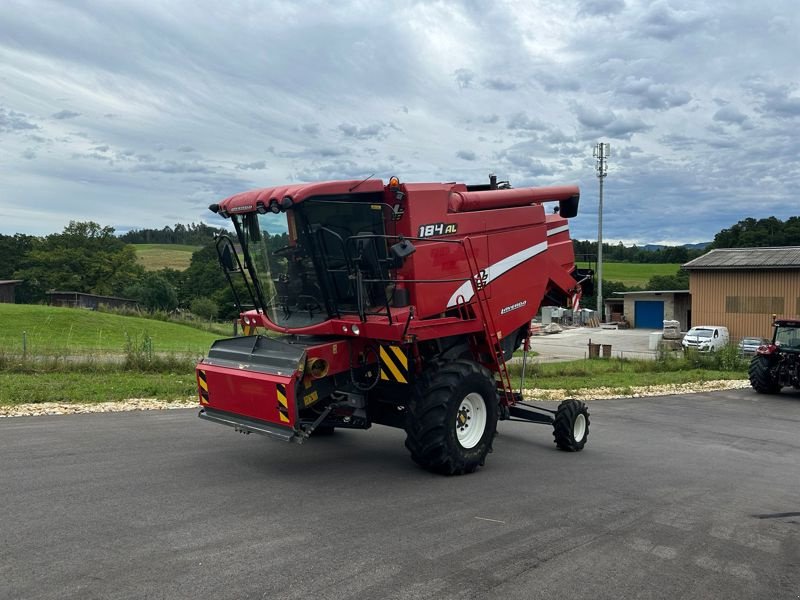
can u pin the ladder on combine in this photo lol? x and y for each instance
(498, 362)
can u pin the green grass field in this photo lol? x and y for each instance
(161, 256)
(51, 330)
(90, 387)
(632, 274)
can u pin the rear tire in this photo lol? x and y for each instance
(761, 378)
(452, 418)
(571, 425)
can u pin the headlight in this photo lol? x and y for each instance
(355, 329)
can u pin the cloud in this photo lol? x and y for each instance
(776, 100)
(666, 23)
(599, 8)
(499, 84)
(730, 114)
(170, 166)
(654, 95)
(605, 122)
(466, 155)
(522, 121)
(557, 82)
(14, 121)
(258, 165)
(374, 131)
(463, 77)
(65, 114)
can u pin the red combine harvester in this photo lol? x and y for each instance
(396, 304)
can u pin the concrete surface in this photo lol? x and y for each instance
(673, 497)
(573, 343)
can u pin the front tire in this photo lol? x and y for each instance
(571, 425)
(761, 378)
(452, 418)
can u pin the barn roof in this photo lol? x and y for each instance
(786, 257)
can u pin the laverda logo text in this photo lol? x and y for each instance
(508, 309)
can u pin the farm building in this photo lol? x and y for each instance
(7, 290)
(649, 309)
(742, 288)
(81, 300)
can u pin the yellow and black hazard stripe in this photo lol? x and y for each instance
(393, 364)
(283, 403)
(248, 329)
(202, 386)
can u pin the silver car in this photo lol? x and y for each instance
(749, 345)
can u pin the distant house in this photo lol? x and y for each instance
(741, 288)
(649, 309)
(7, 290)
(92, 301)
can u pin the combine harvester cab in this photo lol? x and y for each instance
(395, 304)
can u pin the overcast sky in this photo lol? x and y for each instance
(142, 113)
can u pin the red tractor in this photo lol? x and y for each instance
(397, 304)
(777, 365)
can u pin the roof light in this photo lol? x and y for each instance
(274, 207)
(394, 182)
(286, 203)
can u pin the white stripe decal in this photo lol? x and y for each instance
(494, 271)
(556, 230)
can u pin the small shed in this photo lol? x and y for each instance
(649, 309)
(8, 289)
(92, 301)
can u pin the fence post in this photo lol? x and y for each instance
(24, 344)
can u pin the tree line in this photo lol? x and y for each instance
(87, 257)
(587, 251)
(193, 234)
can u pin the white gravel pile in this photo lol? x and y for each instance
(603, 393)
(65, 408)
(606, 393)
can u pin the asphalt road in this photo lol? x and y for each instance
(674, 497)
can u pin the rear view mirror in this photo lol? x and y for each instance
(253, 227)
(399, 252)
(226, 255)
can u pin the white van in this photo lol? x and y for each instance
(706, 338)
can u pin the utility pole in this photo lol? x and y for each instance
(601, 152)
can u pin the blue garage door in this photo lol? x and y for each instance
(649, 314)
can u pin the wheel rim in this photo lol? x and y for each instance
(471, 420)
(579, 428)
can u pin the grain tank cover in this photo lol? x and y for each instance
(566, 195)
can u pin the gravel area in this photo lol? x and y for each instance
(67, 408)
(73, 408)
(605, 393)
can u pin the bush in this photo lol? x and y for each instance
(725, 359)
(205, 308)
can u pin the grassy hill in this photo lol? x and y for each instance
(160, 256)
(51, 330)
(634, 274)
